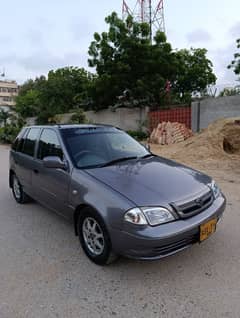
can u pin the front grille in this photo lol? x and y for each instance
(194, 206)
(176, 246)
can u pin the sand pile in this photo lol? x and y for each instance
(220, 141)
(231, 140)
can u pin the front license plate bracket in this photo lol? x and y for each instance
(207, 229)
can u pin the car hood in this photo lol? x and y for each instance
(152, 181)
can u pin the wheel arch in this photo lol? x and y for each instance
(79, 209)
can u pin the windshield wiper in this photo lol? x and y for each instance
(112, 162)
(147, 156)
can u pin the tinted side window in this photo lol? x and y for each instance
(15, 144)
(30, 141)
(22, 140)
(49, 145)
(18, 138)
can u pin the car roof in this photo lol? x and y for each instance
(78, 126)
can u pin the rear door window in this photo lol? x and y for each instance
(17, 140)
(22, 140)
(30, 141)
(49, 145)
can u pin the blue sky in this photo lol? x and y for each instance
(36, 36)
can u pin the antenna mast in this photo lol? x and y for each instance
(147, 11)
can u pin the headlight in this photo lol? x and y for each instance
(158, 215)
(149, 215)
(135, 216)
(215, 189)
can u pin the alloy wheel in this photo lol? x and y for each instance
(16, 188)
(93, 236)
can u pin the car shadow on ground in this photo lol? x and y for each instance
(53, 235)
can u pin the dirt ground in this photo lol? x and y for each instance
(215, 151)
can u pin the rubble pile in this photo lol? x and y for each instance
(216, 149)
(168, 133)
(219, 141)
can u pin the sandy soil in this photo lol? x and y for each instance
(215, 150)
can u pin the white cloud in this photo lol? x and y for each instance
(222, 57)
(48, 34)
(235, 31)
(199, 36)
(82, 30)
(39, 63)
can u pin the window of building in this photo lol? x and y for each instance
(8, 90)
(49, 145)
(7, 99)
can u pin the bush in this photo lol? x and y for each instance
(9, 133)
(44, 118)
(79, 117)
(139, 135)
(230, 91)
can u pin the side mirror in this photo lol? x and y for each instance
(54, 162)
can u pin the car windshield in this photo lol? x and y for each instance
(98, 147)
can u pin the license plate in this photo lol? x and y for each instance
(207, 229)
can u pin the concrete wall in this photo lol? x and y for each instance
(124, 118)
(180, 114)
(30, 121)
(208, 110)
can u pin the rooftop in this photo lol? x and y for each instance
(76, 126)
(8, 81)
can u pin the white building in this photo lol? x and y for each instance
(8, 93)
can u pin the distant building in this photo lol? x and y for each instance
(8, 93)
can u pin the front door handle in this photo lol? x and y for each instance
(35, 171)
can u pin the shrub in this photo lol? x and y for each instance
(79, 117)
(139, 135)
(9, 133)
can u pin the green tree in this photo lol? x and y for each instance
(66, 88)
(29, 103)
(4, 115)
(125, 58)
(194, 73)
(235, 64)
(31, 84)
(29, 99)
(63, 90)
(11, 125)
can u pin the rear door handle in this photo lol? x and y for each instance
(35, 171)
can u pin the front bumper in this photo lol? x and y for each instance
(152, 243)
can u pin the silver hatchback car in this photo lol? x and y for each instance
(121, 198)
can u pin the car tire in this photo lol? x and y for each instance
(19, 195)
(94, 238)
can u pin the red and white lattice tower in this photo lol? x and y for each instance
(148, 11)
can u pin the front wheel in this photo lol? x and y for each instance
(19, 195)
(94, 238)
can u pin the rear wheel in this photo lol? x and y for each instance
(94, 238)
(19, 195)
